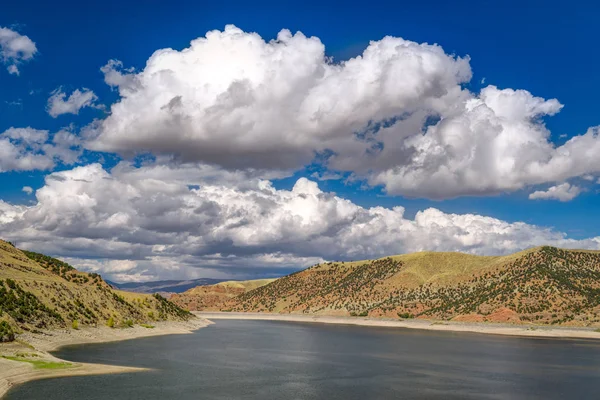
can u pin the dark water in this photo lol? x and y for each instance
(285, 360)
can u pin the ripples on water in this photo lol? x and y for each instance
(285, 360)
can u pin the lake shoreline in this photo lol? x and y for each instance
(40, 345)
(539, 331)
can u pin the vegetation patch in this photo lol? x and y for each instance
(147, 326)
(38, 364)
(166, 308)
(6, 332)
(127, 324)
(24, 306)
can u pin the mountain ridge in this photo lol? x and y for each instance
(165, 286)
(543, 285)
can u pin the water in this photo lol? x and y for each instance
(286, 360)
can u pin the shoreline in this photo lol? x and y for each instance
(539, 331)
(17, 372)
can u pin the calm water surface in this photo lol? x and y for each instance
(286, 360)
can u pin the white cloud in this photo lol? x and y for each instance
(58, 103)
(562, 192)
(234, 100)
(116, 76)
(28, 149)
(27, 189)
(14, 49)
(170, 222)
(396, 116)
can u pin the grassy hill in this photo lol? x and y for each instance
(38, 292)
(214, 297)
(544, 285)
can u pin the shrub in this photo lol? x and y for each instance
(127, 324)
(75, 324)
(111, 322)
(6, 332)
(406, 315)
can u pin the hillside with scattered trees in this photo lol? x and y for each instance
(38, 292)
(545, 285)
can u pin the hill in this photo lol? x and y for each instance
(214, 297)
(544, 285)
(39, 292)
(170, 286)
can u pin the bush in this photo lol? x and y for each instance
(6, 332)
(127, 324)
(111, 322)
(75, 324)
(406, 315)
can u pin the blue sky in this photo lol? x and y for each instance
(544, 48)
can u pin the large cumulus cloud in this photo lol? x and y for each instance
(162, 221)
(398, 115)
(235, 100)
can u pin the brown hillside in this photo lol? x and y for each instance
(214, 297)
(39, 292)
(543, 285)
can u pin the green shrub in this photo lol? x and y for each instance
(127, 324)
(6, 332)
(75, 324)
(406, 315)
(111, 322)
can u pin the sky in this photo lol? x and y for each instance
(184, 139)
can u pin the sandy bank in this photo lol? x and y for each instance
(37, 347)
(486, 328)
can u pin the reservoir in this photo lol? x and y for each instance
(289, 360)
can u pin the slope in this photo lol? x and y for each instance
(214, 297)
(38, 292)
(542, 285)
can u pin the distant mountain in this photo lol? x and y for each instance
(164, 286)
(543, 285)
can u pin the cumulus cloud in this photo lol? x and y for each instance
(28, 149)
(169, 223)
(396, 116)
(59, 103)
(238, 101)
(27, 189)
(15, 49)
(563, 192)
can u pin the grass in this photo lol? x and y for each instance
(147, 326)
(597, 330)
(24, 343)
(37, 364)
